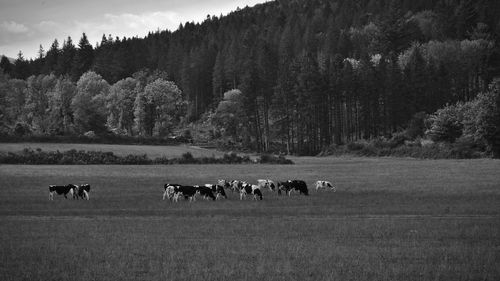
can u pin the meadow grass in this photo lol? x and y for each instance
(153, 151)
(391, 219)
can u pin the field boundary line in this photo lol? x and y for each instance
(187, 216)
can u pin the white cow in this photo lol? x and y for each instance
(169, 191)
(266, 184)
(325, 185)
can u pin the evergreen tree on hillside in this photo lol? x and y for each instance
(51, 58)
(5, 65)
(83, 58)
(66, 57)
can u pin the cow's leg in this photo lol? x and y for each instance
(51, 195)
(164, 194)
(86, 195)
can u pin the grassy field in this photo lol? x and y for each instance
(152, 151)
(391, 219)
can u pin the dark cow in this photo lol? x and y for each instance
(217, 189)
(248, 189)
(291, 185)
(83, 191)
(187, 191)
(169, 190)
(300, 186)
(284, 186)
(206, 192)
(62, 190)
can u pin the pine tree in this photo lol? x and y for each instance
(5, 65)
(51, 58)
(66, 57)
(83, 58)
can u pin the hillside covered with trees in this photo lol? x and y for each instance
(294, 76)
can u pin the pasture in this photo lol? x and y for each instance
(152, 151)
(390, 219)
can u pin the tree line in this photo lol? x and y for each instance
(145, 104)
(299, 74)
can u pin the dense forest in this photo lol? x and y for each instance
(294, 76)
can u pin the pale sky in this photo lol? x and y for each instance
(25, 24)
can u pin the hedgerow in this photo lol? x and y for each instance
(82, 157)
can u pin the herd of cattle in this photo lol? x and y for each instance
(215, 191)
(208, 191)
(74, 191)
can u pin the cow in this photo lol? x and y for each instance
(237, 185)
(205, 191)
(169, 191)
(300, 186)
(291, 185)
(248, 189)
(218, 190)
(187, 191)
(62, 190)
(266, 184)
(224, 183)
(83, 191)
(325, 185)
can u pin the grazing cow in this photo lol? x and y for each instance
(300, 186)
(284, 186)
(205, 191)
(189, 192)
(237, 185)
(83, 191)
(266, 184)
(61, 190)
(248, 189)
(169, 191)
(218, 190)
(224, 183)
(291, 185)
(325, 185)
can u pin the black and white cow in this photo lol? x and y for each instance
(283, 186)
(237, 185)
(62, 190)
(83, 191)
(266, 184)
(186, 191)
(325, 185)
(169, 191)
(218, 190)
(300, 186)
(249, 189)
(224, 183)
(293, 185)
(205, 191)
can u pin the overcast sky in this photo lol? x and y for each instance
(25, 24)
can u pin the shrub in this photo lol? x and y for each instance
(271, 159)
